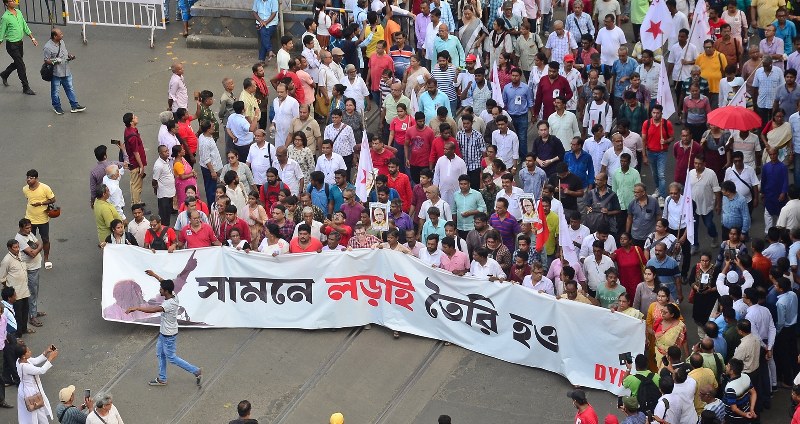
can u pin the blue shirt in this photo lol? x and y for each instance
(429, 229)
(720, 345)
(518, 99)
(622, 70)
(265, 9)
(774, 182)
(787, 34)
(735, 213)
(787, 310)
(337, 195)
(428, 105)
(373, 195)
(794, 121)
(452, 46)
(666, 270)
(532, 183)
(319, 197)
(471, 201)
(581, 166)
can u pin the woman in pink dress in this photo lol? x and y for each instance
(184, 174)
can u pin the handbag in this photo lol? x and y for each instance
(53, 211)
(47, 68)
(35, 401)
(320, 107)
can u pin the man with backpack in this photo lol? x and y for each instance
(159, 236)
(320, 192)
(643, 385)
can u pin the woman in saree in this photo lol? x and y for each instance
(472, 33)
(777, 134)
(704, 285)
(415, 77)
(669, 331)
(624, 307)
(184, 174)
(653, 322)
(630, 260)
(713, 142)
(499, 42)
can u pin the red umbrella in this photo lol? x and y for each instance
(734, 118)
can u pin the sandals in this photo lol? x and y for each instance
(41, 314)
(30, 331)
(35, 322)
(199, 377)
(396, 334)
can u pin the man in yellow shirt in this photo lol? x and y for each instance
(712, 67)
(762, 13)
(104, 212)
(704, 378)
(248, 96)
(39, 195)
(374, 26)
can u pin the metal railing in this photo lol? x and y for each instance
(47, 12)
(146, 14)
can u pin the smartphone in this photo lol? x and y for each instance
(117, 142)
(619, 402)
(87, 393)
(53, 347)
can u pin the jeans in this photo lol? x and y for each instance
(376, 97)
(265, 41)
(33, 287)
(66, 82)
(521, 125)
(210, 185)
(546, 21)
(14, 50)
(708, 221)
(165, 351)
(658, 163)
(797, 167)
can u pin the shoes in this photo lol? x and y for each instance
(199, 377)
(28, 91)
(157, 382)
(395, 334)
(661, 201)
(656, 194)
(77, 109)
(5, 81)
(58, 111)
(6, 405)
(41, 314)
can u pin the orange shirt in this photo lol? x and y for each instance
(762, 264)
(313, 246)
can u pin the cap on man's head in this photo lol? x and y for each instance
(337, 418)
(732, 277)
(471, 58)
(337, 51)
(569, 58)
(630, 403)
(577, 395)
(66, 393)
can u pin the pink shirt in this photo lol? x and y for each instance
(377, 64)
(308, 87)
(460, 260)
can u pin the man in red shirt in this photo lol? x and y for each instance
(437, 146)
(197, 234)
(299, 94)
(304, 242)
(548, 90)
(230, 222)
(585, 414)
(159, 237)
(379, 62)
(184, 120)
(400, 182)
(381, 153)
(418, 146)
(337, 225)
(657, 134)
(684, 152)
(136, 155)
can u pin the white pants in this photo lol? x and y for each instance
(769, 221)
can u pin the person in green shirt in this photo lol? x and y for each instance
(631, 382)
(204, 112)
(608, 293)
(623, 182)
(12, 28)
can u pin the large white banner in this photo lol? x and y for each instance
(222, 287)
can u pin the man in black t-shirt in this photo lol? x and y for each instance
(243, 409)
(569, 188)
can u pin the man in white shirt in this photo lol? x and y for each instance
(261, 157)
(240, 128)
(598, 111)
(138, 226)
(577, 231)
(178, 96)
(164, 184)
(111, 180)
(679, 21)
(289, 171)
(434, 199)
(446, 172)
(596, 146)
(507, 143)
(707, 196)
(609, 39)
(329, 162)
(609, 164)
(683, 55)
(485, 267)
(511, 193)
(602, 234)
(286, 109)
(595, 267)
(790, 212)
(745, 179)
(431, 255)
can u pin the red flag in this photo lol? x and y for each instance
(540, 227)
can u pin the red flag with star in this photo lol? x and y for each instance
(657, 26)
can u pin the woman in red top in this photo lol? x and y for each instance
(202, 206)
(185, 131)
(630, 260)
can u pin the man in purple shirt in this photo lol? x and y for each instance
(401, 219)
(421, 23)
(505, 223)
(351, 208)
(99, 170)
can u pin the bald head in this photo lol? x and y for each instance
(707, 344)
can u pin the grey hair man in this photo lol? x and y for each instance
(104, 410)
(111, 180)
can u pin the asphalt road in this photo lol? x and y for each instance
(290, 376)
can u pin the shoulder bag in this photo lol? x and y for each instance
(47, 68)
(320, 107)
(35, 401)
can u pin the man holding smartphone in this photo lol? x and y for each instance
(68, 413)
(168, 332)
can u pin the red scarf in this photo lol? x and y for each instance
(261, 84)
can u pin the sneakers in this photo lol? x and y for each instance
(656, 194)
(661, 202)
(157, 382)
(58, 110)
(28, 91)
(77, 108)
(199, 377)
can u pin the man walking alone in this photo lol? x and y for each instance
(12, 28)
(168, 332)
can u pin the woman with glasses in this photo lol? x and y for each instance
(301, 154)
(241, 168)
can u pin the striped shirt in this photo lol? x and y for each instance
(472, 147)
(445, 79)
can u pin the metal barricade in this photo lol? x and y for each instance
(147, 14)
(45, 12)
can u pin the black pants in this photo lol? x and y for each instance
(243, 151)
(785, 350)
(9, 360)
(415, 171)
(475, 178)
(21, 312)
(348, 164)
(14, 50)
(765, 114)
(165, 210)
(686, 251)
(636, 28)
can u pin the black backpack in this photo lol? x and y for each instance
(648, 393)
(158, 242)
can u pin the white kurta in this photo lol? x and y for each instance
(285, 111)
(29, 385)
(445, 175)
(356, 90)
